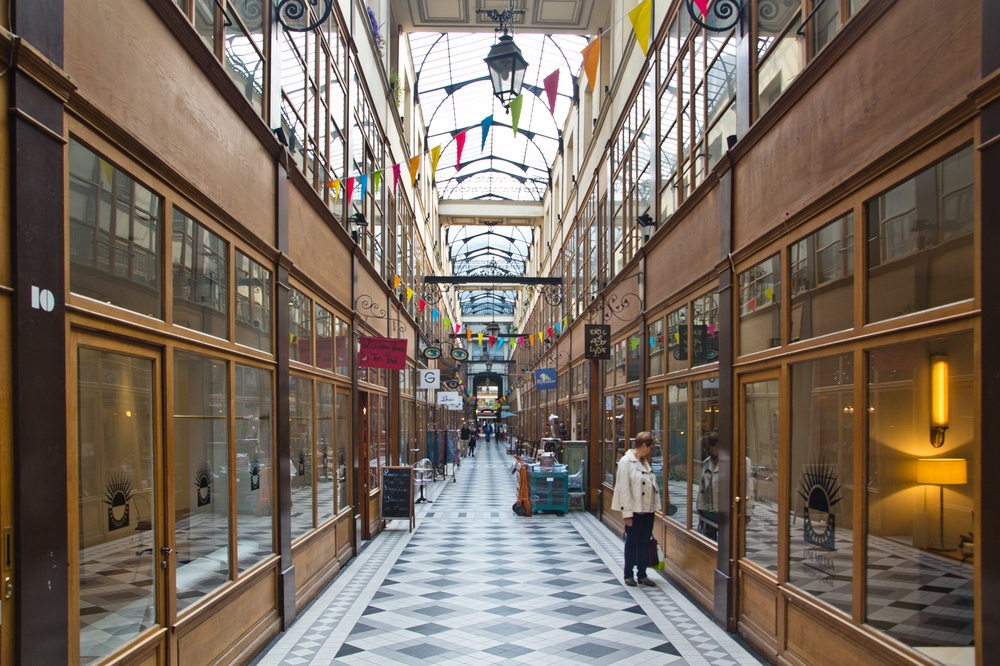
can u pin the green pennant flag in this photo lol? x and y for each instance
(515, 111)
(378, 178)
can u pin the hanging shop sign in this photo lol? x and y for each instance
(432, 353)
(449, 398)
(545, 378)
(429, 379)
(388, 353)
(597, 342)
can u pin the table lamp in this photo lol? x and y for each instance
(942, 472)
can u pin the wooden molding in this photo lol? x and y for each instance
(26, 58)
(226, 595)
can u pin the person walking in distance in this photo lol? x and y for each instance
(637, 496)
(472, 442)
(463, 439)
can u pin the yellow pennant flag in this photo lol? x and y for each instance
(409, 294)
(414, 165)
(480, 337)
(641, 17)
(541, 336)
(591, 56)
(396, 282)
(435, 156)
(335, 184)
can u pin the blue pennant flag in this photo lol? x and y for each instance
(486, 124)
(364, 185)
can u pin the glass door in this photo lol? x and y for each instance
(757, 478)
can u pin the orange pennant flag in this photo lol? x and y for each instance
(414, 165)
(591, 56)
(396, 282)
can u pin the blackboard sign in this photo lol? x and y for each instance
(397, 493)
(597, 342)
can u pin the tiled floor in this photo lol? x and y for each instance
(476, 584)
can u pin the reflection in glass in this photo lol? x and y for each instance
(705, 458)
(324, 338)
(675, 481)
(705, 329)
(760, 306)
(783, 62)
(634, 354)
(114, 234)
(920, 247)
(255, 470)
(299, 326)
(677, 342)
(300, 400)
(656, 408)
(921, 550)
(253, 303)
(343, 439)
(760, 511)
(201, 277)
(822, 479)
(117, 501)
(822, 276)
(201, 476)
(342, 354)
(656, 348)
(324, 452)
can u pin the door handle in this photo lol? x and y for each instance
(165, 552)
(8, 587)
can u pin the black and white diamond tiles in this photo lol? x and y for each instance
(476, 584)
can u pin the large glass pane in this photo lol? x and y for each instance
(201, 476)
(822, 479)
(920, 499)
(253, 303)
(705, 329)
(324, 338)
(117, 501)
(204, 21)
(634, 354)
(255, 470)
(114, 229)
(677, 346)
(201, 278)
(299, 326)
(609, 439)
(300, 401)
(825, 23)
(343, 355)
(920, 240)
(705, 456)
(822, 276)
(656, 348)
(324, 452)
(656, 408)
(784, 61)
(760, 306)
(374, 478)
(243, 60)
(675, 472)
(343, 442)
(760, 436)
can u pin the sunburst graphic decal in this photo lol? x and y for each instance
(203, 482)
(820, 491)
(117, 495)
(255, 468)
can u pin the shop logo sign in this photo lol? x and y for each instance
(545, 378)
(597, 342)
(820, 491)
(203, 482)
(117, 495)
(255, 468)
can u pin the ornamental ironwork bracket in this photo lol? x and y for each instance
(722, 16)
(366, 306)
(292, 13)
(615, 305)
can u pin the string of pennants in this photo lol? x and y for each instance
(641, 18)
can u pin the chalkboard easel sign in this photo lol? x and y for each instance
(397, 494)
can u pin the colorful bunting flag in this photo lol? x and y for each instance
(551, 83)
(363, 179)
(414, 165)
(435, 156)
(421, 305)
(434, 315)
(591, 55)
(468, 334)
(395, 177)
(492, 340)
(702, 7)
(480, 335)
(396, 282)
(549, 331)
(458, 327)
(460, 144)
(515, 111)
(350, 188)
(376, 179)
(409, 294)
(486, 123)
(447, 323)
(335, 184)
(540, 338)
(641, 17)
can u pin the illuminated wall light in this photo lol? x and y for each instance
(939, 399)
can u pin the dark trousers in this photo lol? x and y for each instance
(637, 544)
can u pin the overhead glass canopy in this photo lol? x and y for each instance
(455, 93)
(483, 250)
(487, 302)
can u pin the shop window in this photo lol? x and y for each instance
(201, 476)
(675, 465)
(822, 280)
(300, 399)
(705, 329)
(299, 326)
(620, 356)
(760, 306)
(253, 303)
(634, 356)
(658, 461)
(114, 234)
(760, 473)
(821, 482)
(201, 278)
(656, 348)
(324, 477)
(920, 248)
(343, 349)
(779, 50)
(117, 501)
(705, 458)
(677, 340)
(255, 469)
(921, 543)
(324, 338)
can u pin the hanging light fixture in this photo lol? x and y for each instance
(507, 65)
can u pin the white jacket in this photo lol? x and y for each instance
(636, 490)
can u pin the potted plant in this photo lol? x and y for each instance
(397, 90)
(379, 39)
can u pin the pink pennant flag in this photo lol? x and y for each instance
(711, 330)
(458, 327)
(551, 83)
(460, 143)
(395, 176)
(350, 188)
(702, 6)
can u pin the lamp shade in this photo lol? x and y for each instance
(507, 67)
(939, 391)
(942, 471)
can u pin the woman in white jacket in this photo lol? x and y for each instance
(636, 496)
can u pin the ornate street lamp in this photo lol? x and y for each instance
(507, 65)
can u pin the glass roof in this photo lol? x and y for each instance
(487, 302)
(489, 250)
(455, 93)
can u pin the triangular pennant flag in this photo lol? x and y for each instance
(396, 282)
(641, 17)
(468, 334)
(335, 184)
(591, 56)
(515, 111)
(702, 7)
(409, 294)
(480, 335)
(652, 342)
(565, 322)
(434, 315)
(557, 329)
(421, 305)
(376, 179)
(363, 180)
(551, 83)
(350, 188)
(447, 323)
(549, 331)
(485, 124)
(414, 165)
(435, 156)
(109, 171)
(540, 336)
(460, 144)
(458, 327)
(633, 343)
(395, 177)
(492, 340)
(531, 339)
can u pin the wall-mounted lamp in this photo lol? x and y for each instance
(489, 367)
(359, 222)
(574, 178)
(939, 399)
(942, 472)
(645, 220)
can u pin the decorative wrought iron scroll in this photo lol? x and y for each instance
(432, 292)
(721, 17)
(367, 307)
(553, 294)
(615, 305)
(294, 14)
